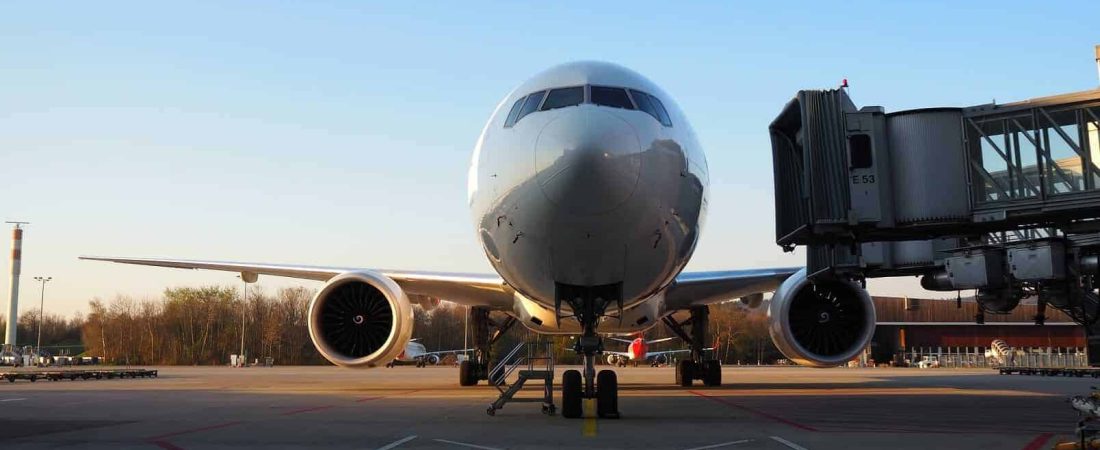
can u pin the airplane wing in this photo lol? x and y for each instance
(448, 352)
(623, 354)
(704, 288)
(625, 341)
(464, 289)
(666, 352)
(655, 341)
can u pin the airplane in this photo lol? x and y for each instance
(638, 350)
(588, 191)
(416, 353)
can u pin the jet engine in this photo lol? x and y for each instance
(360, 319)
(433, 359)
(612, 360)
(820, 323)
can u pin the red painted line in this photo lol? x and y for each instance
(756, 411)
(367, 399)
(305, 410)
(166, 445)
(1039, 441)
(193, 430)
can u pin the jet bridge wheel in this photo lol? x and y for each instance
(571, 394)
(607, 395)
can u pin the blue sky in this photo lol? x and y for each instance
(338, 133)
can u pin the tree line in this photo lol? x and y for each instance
(204, 325)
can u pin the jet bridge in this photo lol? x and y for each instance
(1000, 198)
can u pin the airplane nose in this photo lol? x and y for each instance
(588, 161)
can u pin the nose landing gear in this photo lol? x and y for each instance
(589, 304)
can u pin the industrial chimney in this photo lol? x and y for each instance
(13, 300)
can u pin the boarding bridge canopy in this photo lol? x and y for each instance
(844, 174)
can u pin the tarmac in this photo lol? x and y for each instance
(407, 407)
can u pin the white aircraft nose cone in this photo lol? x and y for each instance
(588, 161)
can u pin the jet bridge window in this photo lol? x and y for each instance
(611, 96)
(859, 149)
(651, 106)
(560, 98)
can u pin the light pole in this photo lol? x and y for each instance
(41, 311)
(244, 307)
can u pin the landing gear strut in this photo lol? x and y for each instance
(589, 304)
(697, 367)
(486, 332)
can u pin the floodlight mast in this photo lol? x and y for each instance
(41, 313)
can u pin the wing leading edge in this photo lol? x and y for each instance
(704, 288)
(464, 289)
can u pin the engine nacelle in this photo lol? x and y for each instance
(612, 360)
(360, 319)
(825, 323)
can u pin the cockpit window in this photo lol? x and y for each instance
(661, 111)
(611, 96)
(642, 100)
(560, 98)
(514, 113)
(531, 104)
(652, 106)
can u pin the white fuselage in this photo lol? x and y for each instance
(414, 351)
(588, 194)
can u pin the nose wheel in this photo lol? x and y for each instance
(602, 387)
(607, 395)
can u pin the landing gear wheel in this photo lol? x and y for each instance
(466, 374)
(685, 372)
(571, 394)
(712, 373)
(607, 395)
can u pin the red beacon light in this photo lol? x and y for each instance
(844, 83)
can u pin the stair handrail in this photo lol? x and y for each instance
(504, 366)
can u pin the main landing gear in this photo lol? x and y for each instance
(696, 368)
(486, 332)
(588, 304)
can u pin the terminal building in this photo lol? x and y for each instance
(908, 326)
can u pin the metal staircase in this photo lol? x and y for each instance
(540, 354)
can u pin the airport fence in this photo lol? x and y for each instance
(981, 357)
